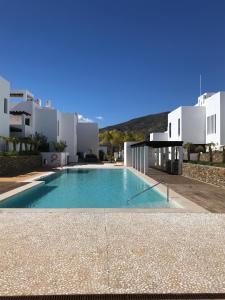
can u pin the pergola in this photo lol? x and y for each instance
(163, 155)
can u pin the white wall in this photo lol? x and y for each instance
(54, 159)
(159, 136)
(69, 134)
(216, 105)
(222, 118)
(46, 123)
(192, 124)
(87, 137)
(128, 153)
(4, 118)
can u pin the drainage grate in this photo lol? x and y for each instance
(119, 297)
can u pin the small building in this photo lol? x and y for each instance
(163, 155)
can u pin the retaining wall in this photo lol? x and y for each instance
(207, 174)
(14, 165)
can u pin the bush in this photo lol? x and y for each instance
(91, 158)
(59, 146)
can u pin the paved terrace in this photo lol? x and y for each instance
(208, 196)
(72, 251)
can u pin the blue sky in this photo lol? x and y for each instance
(117, 59)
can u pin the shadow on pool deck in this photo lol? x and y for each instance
(207, 196)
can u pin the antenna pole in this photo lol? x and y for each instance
(200, 84)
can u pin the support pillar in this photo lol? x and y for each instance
(146, 154)
(132, 157)
(141, 159)
(138, 158)
(172, 158)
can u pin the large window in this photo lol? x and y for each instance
(5, 106)
(170, 130)
(211, 124)
(178, 127)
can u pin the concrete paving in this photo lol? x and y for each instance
(90, 252)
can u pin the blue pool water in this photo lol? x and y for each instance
(89, 188)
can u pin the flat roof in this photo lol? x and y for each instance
(158, 144)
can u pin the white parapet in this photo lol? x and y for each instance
(55, 159)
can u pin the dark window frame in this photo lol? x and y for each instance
(170, 129)
(178, 127)
(5, 106)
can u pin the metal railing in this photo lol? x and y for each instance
(150, 188)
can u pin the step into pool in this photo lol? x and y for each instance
(89, 188)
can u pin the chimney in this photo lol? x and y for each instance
(48, 104)
(38, 102)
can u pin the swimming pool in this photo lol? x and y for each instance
(89, 188)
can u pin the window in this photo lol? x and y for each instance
(170, 130)
(27, 121)
(5, 106)
(211, 124)
(178, 127)
(58, 128)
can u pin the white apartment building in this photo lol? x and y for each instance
(200, 124)
(28, 116)
(87, 137)
(4, 113)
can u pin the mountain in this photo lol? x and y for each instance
(145, 124)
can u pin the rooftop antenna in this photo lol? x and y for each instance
(200, 84)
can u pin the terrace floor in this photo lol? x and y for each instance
(89, 252)
(208, 196)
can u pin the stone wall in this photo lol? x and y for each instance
(217, 157)
(208, 174)
(14, 165)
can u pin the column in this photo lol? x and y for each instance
(132, 157)
(142, 159)
(138, 158)
(145, 159)
(180, 155)
(172, 158)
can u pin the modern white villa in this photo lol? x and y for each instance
(27, 116)
(200, 124)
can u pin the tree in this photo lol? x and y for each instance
(187, 146)
(210, 145)
(199, 149)
(38, 142)
(59, 146)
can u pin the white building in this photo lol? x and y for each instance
(87, 137)
(4, 113)
(28, 116)
(200, 124)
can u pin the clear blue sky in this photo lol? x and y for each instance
(118, 59)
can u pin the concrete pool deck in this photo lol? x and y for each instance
(101, 251)
(111, 252)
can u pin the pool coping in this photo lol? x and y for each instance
(183, 204)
